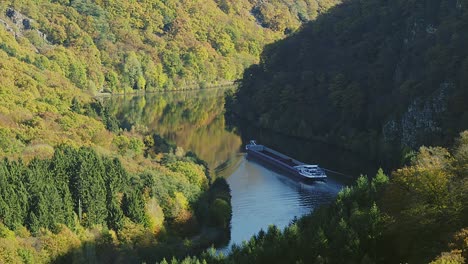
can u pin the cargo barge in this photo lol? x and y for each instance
(291, 166)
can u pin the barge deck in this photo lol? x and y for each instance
(286, 163)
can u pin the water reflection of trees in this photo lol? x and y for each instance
(194, 120)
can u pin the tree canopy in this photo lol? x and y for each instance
(378, 77)
(119, 46)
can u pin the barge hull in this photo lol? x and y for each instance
(279, 161)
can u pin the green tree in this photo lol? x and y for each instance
(220, 213)
(134, 206)
(133, 71)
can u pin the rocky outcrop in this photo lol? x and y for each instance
(421, 119)
(19, 23)
(22, 22)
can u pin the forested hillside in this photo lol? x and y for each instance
(79, 206)
(76, 186)
(379, 77)
(118, 46)
(372, 75)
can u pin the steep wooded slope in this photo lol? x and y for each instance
(375, 76)
(124, 45)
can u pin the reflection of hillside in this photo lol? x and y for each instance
(192, 120)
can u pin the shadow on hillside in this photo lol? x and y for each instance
(209, 226)
(102, 251)
(379, 78)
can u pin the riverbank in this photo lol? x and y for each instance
(182, 89)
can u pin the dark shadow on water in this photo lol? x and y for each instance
(349, 165)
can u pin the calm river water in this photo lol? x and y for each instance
(261, 196)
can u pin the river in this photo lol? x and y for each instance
(261, 196)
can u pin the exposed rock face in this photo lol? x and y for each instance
(420, 121)
(22, 22)
(19, 23)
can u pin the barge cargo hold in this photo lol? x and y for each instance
(294, 167)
